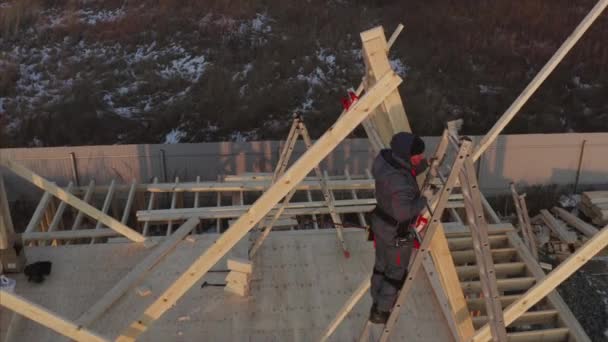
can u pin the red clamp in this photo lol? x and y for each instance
(348, 101)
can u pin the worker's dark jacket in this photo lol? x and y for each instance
(397, 194)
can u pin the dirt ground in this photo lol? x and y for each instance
(586, 293)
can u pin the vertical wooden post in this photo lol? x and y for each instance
(75, 177)
(580, 165)
(7, 231)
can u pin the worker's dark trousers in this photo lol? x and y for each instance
(390, 270)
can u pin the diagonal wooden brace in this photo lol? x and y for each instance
(295, 174)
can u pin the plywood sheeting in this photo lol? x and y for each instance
(299, 282)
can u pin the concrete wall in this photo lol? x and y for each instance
(526, 159)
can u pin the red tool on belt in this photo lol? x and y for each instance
(417, 227)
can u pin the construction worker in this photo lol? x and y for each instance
(399, 203)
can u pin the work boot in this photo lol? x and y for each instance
(378, 317)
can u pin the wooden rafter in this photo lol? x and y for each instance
(72, 200)
(296, 173)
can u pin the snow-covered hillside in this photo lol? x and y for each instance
(104, 72)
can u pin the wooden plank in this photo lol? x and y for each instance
(151, 201)
(551, 281)
(136, 274)
(127, 210)
(34, 223)
(466, 243)
(576, 222)
(106, 205)
(559, 55)
(508, 284)
(173, 203)
(557, 227)
(72, 200)
(238, 277)
(505, 269)
(47, 318)
(68, 235)
(7, 231)
(449, 314)
(483, 254)
(455, 229)
(566, 316)
(60, 210)
(479, 304)
(529, 318)
(545, 335)
(498, 255)
(390, 117)
(291, 209)
(240, 265)
(86, 198)
(528, 225)
(326, 143)
(448, 276)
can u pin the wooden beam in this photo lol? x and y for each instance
(326, 143)
(566, 316)
(7, 231)
(558, 228)
(551, 281)
(498, 255)
(545, 335)
(87, 197)
(508, 284)
(47, 318)
(106, 205)
(442, 298)
(576, 222)
(173, 203)
(34, 223)
(539, 78)
(72, 200)
(136, 274)
(390, 117)
(127, 210)
(508, 269)
(151, 206)
(479, 304)
(446, 271)
(68, 235)
(481, 247)
(528, 225)
(60, 210)
(528, 318)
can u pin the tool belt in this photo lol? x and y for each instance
(404, 230)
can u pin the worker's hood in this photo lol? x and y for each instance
(403, 144)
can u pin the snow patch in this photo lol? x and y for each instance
(175, 136)
(189, 68)
(569, 201)
(92, 17)
(489, 90)
(400, 68)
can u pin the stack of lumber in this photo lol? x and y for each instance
(239, 277)
(594, 204)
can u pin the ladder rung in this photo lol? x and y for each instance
(545, 335)
(528, 318)
(509, 284)
(498, 255)
(479, 304)
(471, 272)
(466, 243)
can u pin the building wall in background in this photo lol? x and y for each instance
(529, 159)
